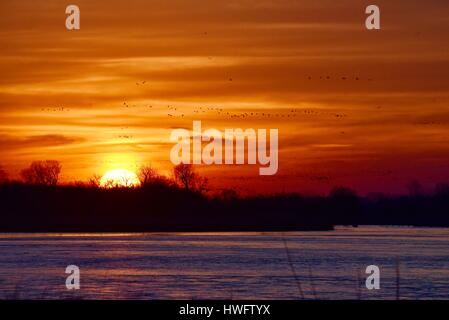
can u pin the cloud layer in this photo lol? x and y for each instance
(370, 107)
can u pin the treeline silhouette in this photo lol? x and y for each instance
(182, 203)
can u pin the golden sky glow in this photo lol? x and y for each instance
(368, 109)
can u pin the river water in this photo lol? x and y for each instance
(413, 264)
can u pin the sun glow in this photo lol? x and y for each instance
(119, 178)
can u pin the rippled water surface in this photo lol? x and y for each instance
(414, 263)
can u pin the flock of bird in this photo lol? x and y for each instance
(172, 111)
(220, 111)
(55, 109)
(175, 112)
(182, 112)
(343, 78)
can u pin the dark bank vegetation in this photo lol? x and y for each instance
(182, 203)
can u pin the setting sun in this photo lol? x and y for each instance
(119, 178)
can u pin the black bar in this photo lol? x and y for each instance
(260, 309)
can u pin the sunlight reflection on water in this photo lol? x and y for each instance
(227, 265)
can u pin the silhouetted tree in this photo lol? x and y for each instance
(3, 176)
(415, 188)
(346, 205)
(126, 181)
(185, 176)
(148, 175)
(229, 195)
(442, 189)
(342, 193)
(109, 184)
(201, 184)
(78, 184)
(95, 181)
(42, 172)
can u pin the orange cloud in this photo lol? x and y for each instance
(366, 103)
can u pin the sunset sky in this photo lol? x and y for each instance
(365, 109)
